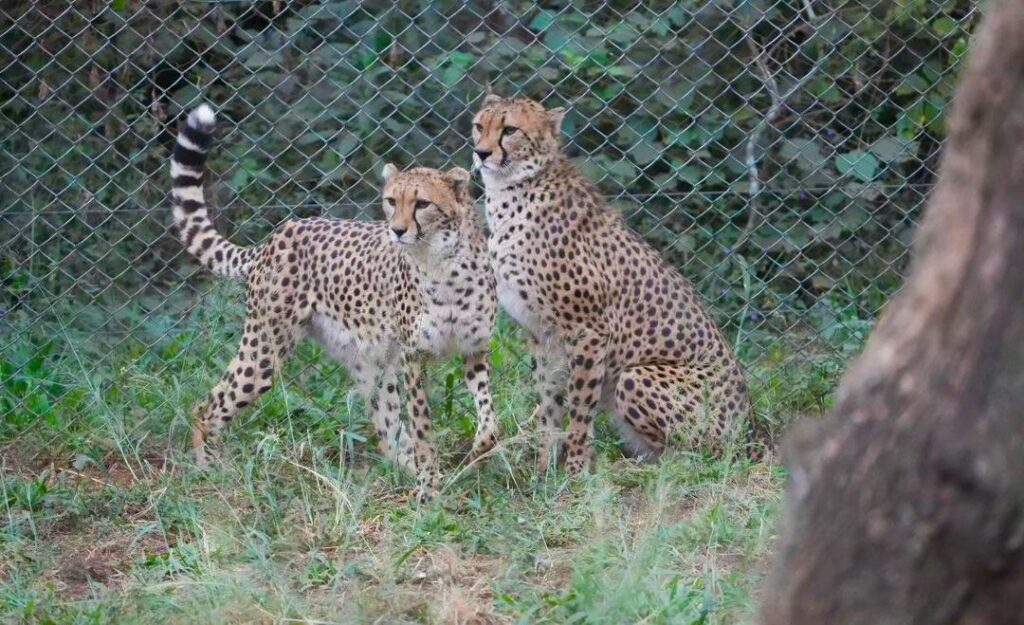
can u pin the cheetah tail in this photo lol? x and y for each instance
(195, 229)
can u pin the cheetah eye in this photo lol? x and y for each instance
(421, 204)
(508, 131)
(477, 127)
(390, 201)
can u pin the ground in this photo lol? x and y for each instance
(105, 519)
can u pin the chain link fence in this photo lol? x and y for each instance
(778, 152)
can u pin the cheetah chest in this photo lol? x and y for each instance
(513, 289)
(451, 323)
(512, 301)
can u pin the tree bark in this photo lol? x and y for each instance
(906, 504)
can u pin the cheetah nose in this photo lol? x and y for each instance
(398, 230)
(483, 154)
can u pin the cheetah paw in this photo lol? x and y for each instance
(426, 488)
(577, 466)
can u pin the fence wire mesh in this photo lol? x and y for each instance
(778, 152)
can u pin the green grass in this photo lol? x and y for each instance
(105, 518)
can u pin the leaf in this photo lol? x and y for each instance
(451, 75)
(692, 174)
(678, 15)
(826, 90)
(543, 19)
(118, 5)
(644, 152)
(186, 97)
(245, 172)
(456, 65)
(239, 180)
(462, 59)
(557, 37)
(859, 164)
(621, 71)
(643, 125)
(348, 144)
(944, 26)
(853, 217)
(959, 50)
(622, 172)
(679, 93)
(912, 84)
(894, 149)
(256, 58)
(807, 154)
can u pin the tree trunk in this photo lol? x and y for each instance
(906, 504)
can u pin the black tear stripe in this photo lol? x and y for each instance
(501, 136)
(200, 138)
(415, 220)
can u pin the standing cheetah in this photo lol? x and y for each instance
(611, 323)
(377, 295)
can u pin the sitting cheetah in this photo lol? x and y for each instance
(600, 305)
(377, 295)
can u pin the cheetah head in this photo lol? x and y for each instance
(424, 205)
(514, 137)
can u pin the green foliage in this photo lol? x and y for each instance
(663, 101)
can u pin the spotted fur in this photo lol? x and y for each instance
(382, 297)
(611, 323)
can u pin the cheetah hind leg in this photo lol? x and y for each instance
(249, 375)
(658, 404)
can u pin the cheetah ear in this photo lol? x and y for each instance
(555, 117)
(388, 171)
(491, 97)
(459, 179)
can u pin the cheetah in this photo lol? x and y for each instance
(611, 325)
(381, 297)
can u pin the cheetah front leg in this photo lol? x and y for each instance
(379, 384)
(586, 377)
(427, 477)
(477, 371)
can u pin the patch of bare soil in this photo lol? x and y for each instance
(553, 571)
(459, 586)
(86, 562)
(84, 553)
(112, 470)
